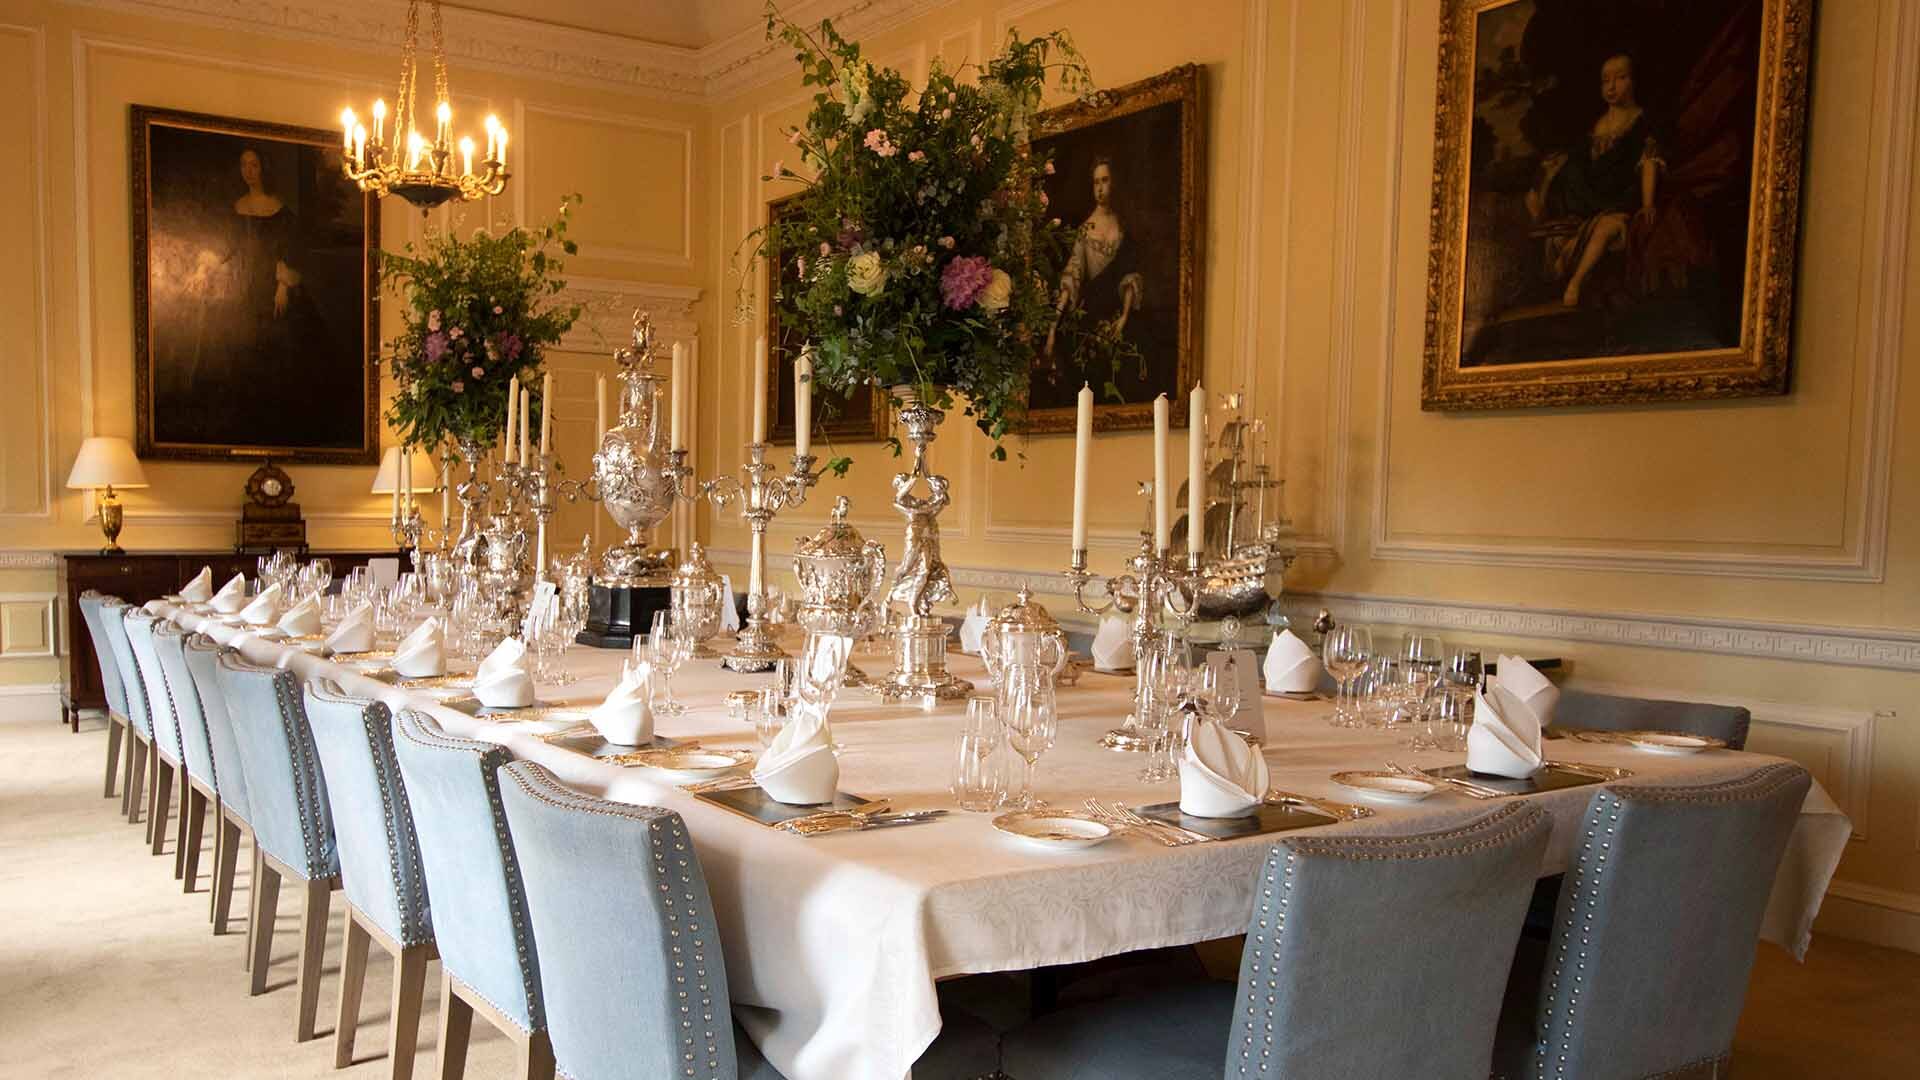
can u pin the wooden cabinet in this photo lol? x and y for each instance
(138, 577)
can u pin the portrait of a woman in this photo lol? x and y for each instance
(255, 266)
(1102, 276)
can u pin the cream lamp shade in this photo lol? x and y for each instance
(425, 476)
(105, 461)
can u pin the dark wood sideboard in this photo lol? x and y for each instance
(138, 577)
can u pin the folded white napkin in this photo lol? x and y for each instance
(974, 625)
(1519, 687)
(1113, 645)
(729, 615)
(626, 717)
(423, 653)
(1220, 774)
(200, 589)
(302, 618)
(1504, 740)
(264, 609)
(502, 681)
(355, 632)
(799, 766)
(1291, 667)
(232, 596)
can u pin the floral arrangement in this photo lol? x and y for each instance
(923, 245)
(478, 312)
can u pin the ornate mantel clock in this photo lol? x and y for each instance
(270, 519)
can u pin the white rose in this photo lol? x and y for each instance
(865, 275)
(998, 293)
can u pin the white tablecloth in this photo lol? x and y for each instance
(839, 939)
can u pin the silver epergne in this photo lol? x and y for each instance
(1156, 586)
(631, 476)
(922, 578)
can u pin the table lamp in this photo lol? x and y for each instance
(104, 463)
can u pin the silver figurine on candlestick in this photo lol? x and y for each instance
(922, 578)
(1156, 587)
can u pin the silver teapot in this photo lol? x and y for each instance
(842, 577)
(629, 469)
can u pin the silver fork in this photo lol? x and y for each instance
(1108, 817)
(1330, 807)
(1187, 836)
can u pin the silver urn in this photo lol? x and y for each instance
(699, 597)
(629, 471)
(842, 577)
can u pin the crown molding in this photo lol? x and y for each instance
(529, 47)
(606, 318)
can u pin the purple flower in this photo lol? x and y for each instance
(510, 346)
(436, 347)
(963, 279)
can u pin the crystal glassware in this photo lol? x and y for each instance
(1345, 654)
(1028, 715)
(977, 782)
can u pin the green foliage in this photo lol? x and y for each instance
(923, 246)
(478, 312)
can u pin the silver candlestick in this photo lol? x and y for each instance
(1156, 586)
(922, 578)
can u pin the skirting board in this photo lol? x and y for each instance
(30, 701)
(1873, 915)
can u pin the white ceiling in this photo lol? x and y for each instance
(689, 24)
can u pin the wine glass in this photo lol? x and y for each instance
(1464, 668)
(823, 664)
(976, 775)
(1452, 715)
(1029, 719)
(1345, 654)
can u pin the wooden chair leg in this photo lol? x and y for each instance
(266, 903)
(409, 994)
(136, 780)
(196, 828)
(456, 1028)
(259, 875)
(182, 798)
(536, 1057)
(313, 948)
(113, 753)
(354, 940)
(225, 864)
(162, 803)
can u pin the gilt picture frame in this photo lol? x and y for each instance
(256, 318)
(1616, 201)
(1129, 166)
(852, 418)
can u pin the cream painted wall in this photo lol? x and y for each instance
(1735, 532)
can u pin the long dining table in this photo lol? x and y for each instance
(835, 942)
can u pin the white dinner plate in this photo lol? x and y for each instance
(1670, 742)
(1053, 830)
(687, 765)
(1387, 787)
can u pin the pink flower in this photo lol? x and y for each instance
(498, 310)
(457, 386)
(878, 142)
(1049, 168)
(794, 136)
(456, 333)
(837, 310)
(946, 114)
(977, 142)
(946, 242)
(779, 169)
(800, 264)
(826, 249)
(479, 373)
(916, 156)
(963, 280)
(1044, 200)
(433, 319)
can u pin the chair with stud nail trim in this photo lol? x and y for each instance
(199, 789)
(1584, 710)
(386, 893)
(165, 758)
(488, 960)
(113, 619)
(233, 822)
(118, 726)
(1368, 956)
(632, 871)
(1654, 936)
(292, 828)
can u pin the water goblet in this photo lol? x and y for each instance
(1029, 724)
(977, 783)
(1345, 654)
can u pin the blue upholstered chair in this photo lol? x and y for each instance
(632, 871)
(292, 829)
(90, 604)
(386, 892)
(199, 782)
(1654, 936)
(488, 963)
(113, 616)
(230, 781)
(1580, 710)
(1368, 956)
(165, 745)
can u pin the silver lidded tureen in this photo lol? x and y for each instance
(699, 599)
(842, 577)
(628, 470)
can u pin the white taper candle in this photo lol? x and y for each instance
(678, 392)
(803, 403)
(599, 411)
(760, 390)
(513, 407)
(1161, 493)
(546, 413)
(1082, 456)
(1197, 471)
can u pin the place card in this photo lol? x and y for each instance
(1268, 818)
(752, 802)
(1547, 779)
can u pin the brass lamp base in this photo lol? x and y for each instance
(112, 516)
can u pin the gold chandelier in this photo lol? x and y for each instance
(420, 170)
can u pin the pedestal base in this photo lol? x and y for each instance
(753, 649)
(615, 614)
(920, 666)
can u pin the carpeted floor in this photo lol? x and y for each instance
(107, 970)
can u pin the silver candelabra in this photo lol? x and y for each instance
(1155, 586)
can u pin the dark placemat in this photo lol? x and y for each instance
(593, 744)
(754, 803)
(1269, 819)
(1547, 779)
